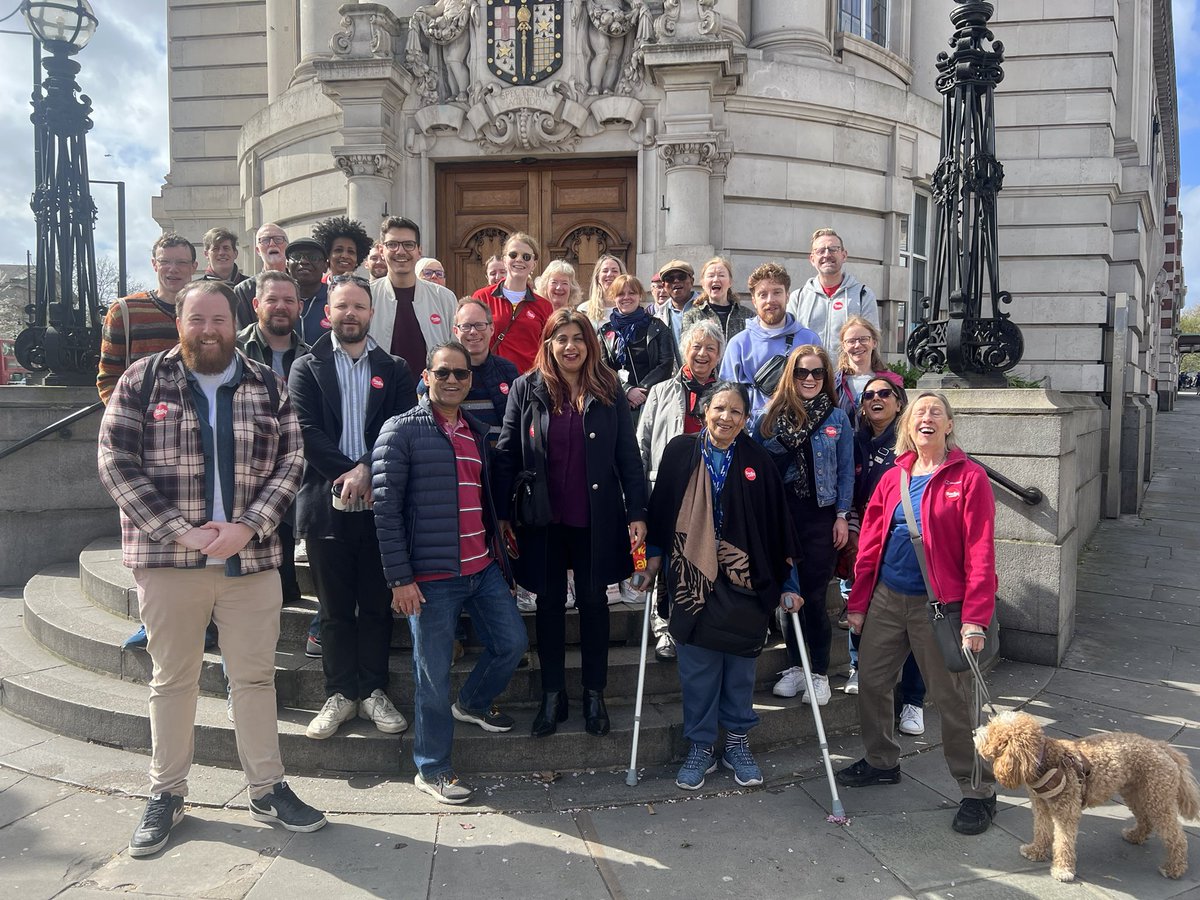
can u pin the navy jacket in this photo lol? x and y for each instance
(414, 478)
(317, 398)
(616, 482)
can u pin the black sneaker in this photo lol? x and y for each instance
(974, 815)
(863, 774)
(284, 807)
(487, 719)
(163, 812)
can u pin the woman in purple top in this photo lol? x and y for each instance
(567, 429)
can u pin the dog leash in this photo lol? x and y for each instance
(981, 697)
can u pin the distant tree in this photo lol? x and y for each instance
(1189, 323)
(107, 279)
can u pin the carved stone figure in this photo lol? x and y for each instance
(607, 29)
(446, 27)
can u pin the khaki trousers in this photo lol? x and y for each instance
(897, 623)
(176, 605)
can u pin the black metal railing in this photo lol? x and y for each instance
(65, 422)
(1030, 495)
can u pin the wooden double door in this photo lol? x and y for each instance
(576, 210)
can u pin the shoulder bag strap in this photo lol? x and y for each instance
(512, 320)
(124, 307)
(918, 542)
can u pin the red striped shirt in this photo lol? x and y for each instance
(472, 536)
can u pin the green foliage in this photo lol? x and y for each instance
(1190, 362)
(1016, 381)
(1189, 320)
(910, 374)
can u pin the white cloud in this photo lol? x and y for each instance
(1185, 19)
(124, 72)
(1189, 205)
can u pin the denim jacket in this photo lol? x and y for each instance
(832, 455)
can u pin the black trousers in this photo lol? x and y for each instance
(356, 608)
(287, 568)
(814, 527)
(570, 548)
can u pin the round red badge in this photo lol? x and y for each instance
(376, 382)
(838, 304)
(504, 387)
(160, 411)
(953, 493)
(750, 474)
(435, 319)
(531, 431)
(326, 324)
(831, 431)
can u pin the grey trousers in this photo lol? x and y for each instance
(897, 623)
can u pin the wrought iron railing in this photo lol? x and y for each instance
(63, 423)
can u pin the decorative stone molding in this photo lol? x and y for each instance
(380, 165)
(705, 23)
(369, 31)
(695, 154)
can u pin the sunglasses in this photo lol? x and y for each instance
(311, 256)
(803, 374)
(443, 374)
(674, 277)
(513, 254)
(882, 394)
(350, 278)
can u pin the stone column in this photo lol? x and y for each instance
(318, 22)
(690, 162)
(798, 26)
(370, 182)
(282, 25)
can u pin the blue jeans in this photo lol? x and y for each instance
(497, 623)
(718, 690)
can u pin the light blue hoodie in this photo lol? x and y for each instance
(754, 345)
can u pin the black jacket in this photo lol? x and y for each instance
(651, 359)
(317, 399)
(414, 478)
(617, 484)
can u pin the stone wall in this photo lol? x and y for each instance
(51, 502)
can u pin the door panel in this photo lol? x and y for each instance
(576, 210)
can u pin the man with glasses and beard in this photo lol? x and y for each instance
(344, 391)
(833, 295)
(202, 471)
(431, 467)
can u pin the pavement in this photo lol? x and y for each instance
(67, 809)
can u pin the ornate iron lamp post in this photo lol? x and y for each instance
(955, 333)
(65, 320)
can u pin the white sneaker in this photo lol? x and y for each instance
(379, 709)
(912, 719)
(301, 554)
(337, 709)
(821, 689)
(791, 684)
(526, 602)
(852, 682)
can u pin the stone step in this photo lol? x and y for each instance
(42, 688)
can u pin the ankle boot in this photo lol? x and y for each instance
(595, 713)
(553, 711)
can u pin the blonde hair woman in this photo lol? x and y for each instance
(718, 300)
(518, 314)
(859, 360)
(558, 284)
(599, 306)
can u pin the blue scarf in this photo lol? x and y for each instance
(627, 328)
(718, 470)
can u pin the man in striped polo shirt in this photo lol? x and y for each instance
(143, 323)
(439, 544)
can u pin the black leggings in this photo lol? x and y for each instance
(814, 527)
(570, 548)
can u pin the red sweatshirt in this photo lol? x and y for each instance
(958, 519)
(520, 343)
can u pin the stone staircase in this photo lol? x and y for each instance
(65, 671)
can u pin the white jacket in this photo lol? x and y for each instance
(661, 421)
(434, 305)
(826, 315)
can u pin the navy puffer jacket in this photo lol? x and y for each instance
(414, 480)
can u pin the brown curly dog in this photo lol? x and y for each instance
(1066, 777)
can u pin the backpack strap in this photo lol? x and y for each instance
(268, 377)
(148, 378)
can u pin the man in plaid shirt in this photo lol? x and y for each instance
(203, 470)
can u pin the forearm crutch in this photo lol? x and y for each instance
(838, 817)
(631, 777)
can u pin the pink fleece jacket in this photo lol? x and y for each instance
(958, 513)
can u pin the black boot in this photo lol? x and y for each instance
(553, 711)
(595, 713)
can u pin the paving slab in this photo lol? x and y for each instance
(1075, 718)
(1031, 885)
(1142, 660)
(1151, 700)
(27, 795)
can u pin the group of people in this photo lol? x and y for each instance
(437, 453)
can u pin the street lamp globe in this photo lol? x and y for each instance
(62, 25)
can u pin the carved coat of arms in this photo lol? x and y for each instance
(524, 39)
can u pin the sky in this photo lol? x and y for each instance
(124, 73)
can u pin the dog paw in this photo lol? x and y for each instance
(1062, 874)
(1172, 871)
(1030, 851)
(1135, 835)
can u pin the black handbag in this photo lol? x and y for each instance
(766, 377)
(946, 618)
(531, 493)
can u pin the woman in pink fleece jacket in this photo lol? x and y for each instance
(955, 513)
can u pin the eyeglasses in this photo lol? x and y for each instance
(433, 273)
(674, 277)
(410, 246)
(882, 394)
(822, 251)
(513, 254)
(443, 374)
(473, 326)
(802, 374)
(311, 256)
(854, 342)
(172, 263)
(350, 278)
(272, 239)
